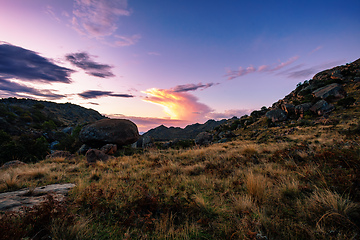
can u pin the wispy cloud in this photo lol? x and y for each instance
(50, 11)
(232, 74)
(26, 65)
(123, 41)
(82, 60)
(97, 93)
(178, 105)
(192, 87)
(316, 49)
(98, 18)
(15, 89)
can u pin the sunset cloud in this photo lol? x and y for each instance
(178, 105)
(26, 65)
(98, 18)
(82, 60)
(14, 89)
(96, 94)
(232, 74)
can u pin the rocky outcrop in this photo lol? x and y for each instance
(322, 107)
(334, 91)
(115, 131)
(302, 108)
(288, 108)
(276, 115)
(203, 138)
(13, 201)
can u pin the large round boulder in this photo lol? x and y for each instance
(117, 131)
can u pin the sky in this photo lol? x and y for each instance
(172, 62)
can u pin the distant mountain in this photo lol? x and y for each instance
(163, 133)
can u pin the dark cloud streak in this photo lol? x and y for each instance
(26, 65)
(96, 94)
(192, 87)
(82, 60)
(16, 88)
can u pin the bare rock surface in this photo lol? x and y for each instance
(334, 90)
(13, 201)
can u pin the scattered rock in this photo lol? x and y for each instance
(94, 155)
(11, 164)
(143, 142)
(53, 144)
(109, 149)
(322, 107)
(68, 130)
(60, 154)
(302, 108)
(276, 115)
(333, 90)
(203, 138)
(114, 131)
(226, 134)
(83, 149)
(288, 108)
(13, 201)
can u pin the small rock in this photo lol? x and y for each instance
(109, 149)
(83, 149)
(302, 108)
(322, 107)
(68, 130)
(203, 138)
(11, 164)
(59, 154)
(94, 155)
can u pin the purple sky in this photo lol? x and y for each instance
(171, 62)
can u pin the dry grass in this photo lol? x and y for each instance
(234, 190)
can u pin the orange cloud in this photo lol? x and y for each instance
(178, 105)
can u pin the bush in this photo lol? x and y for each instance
(346, 102)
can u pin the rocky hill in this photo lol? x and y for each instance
(330, 98)
(30, 128)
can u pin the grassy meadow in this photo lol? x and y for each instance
(298, 184)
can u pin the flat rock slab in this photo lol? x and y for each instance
(13, 201)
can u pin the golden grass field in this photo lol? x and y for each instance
(298, 187)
